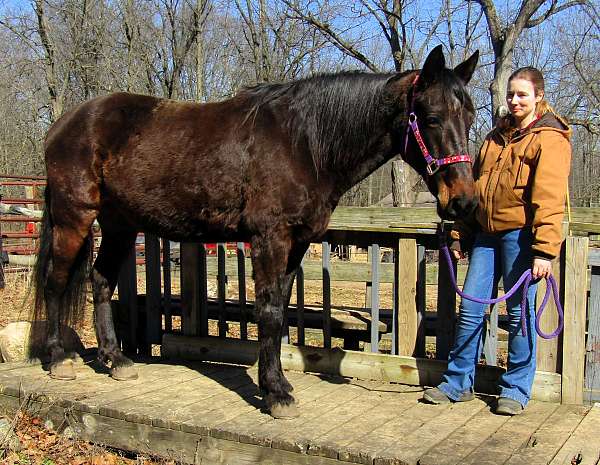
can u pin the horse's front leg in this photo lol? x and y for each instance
(269, 261)
(113, 252)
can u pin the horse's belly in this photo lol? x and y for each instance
(178, 215)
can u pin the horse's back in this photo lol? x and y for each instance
(186, 165)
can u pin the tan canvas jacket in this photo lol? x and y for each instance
(523, 182)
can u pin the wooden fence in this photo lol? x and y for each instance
(410, 235)
(407, 323)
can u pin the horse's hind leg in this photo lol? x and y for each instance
(63, 288)
(113, 251)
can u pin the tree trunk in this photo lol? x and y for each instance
(400, 184)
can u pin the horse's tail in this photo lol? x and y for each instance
(72, 302)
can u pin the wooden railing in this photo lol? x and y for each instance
(407, 322)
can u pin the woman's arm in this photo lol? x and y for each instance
(548, 193)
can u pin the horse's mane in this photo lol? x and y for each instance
(334, 114)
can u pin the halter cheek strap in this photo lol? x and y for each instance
(433, 164)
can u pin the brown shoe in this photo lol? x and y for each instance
(507, 406)
(437, 396)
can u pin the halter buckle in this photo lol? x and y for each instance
(432, 167)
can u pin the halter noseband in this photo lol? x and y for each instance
(433, 164)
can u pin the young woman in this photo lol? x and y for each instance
(521, 177)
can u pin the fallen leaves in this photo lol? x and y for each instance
(41, 446)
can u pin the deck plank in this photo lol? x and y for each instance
(464, 440)
(583, 447)
(198, 399)
(215, 422)
(545, 443)
(306, 398)
(34, 380)
(246, 427)
(369, 446)
(410, 447)
(369, 412)
(141, 408)
(154, 409)
(296, 436)
(334, 426)
(511, 436)
(152, 378)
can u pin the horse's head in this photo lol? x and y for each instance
(435, 126)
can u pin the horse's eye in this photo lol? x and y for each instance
(433, 121)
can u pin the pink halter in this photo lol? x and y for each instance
(433, 164)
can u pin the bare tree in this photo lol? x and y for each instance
(181, 23)
(504, 35)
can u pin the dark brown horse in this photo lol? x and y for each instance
(267, 166)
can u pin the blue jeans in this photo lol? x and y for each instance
(506, 254)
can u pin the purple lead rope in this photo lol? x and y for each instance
(524, 280)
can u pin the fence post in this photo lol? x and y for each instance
(375, 297)
(408, 327)
(421, 301)
(166, 266)
(191, 289)
(128, 305)
(490, 343)
(446, 311)
(153, 291)
(326, 294)
(222, 288)
(548, 350)
(592, 349)
(300, 302)
(241, 261)
(575, 296)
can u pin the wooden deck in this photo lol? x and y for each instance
(210, 414)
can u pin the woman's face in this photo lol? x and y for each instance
(521, 98)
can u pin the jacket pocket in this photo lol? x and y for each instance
(509, 192)
(522, 174)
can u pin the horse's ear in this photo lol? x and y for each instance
(465, 70)
(434, 64)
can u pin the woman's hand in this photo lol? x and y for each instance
(541, 268)
(458, 254)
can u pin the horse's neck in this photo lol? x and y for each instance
(361, 167)
(383, 146)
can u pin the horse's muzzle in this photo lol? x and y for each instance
(460, 206)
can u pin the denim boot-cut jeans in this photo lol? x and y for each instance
(507, 254)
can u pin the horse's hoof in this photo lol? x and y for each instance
(285, 411)
(77, 359)
(124, 373)
(64, 370)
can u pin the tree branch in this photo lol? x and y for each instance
(332, 36)
(552, 11)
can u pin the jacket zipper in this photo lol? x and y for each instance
(494, 180)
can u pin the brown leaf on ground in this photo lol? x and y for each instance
(79, 460)
(40, 445)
